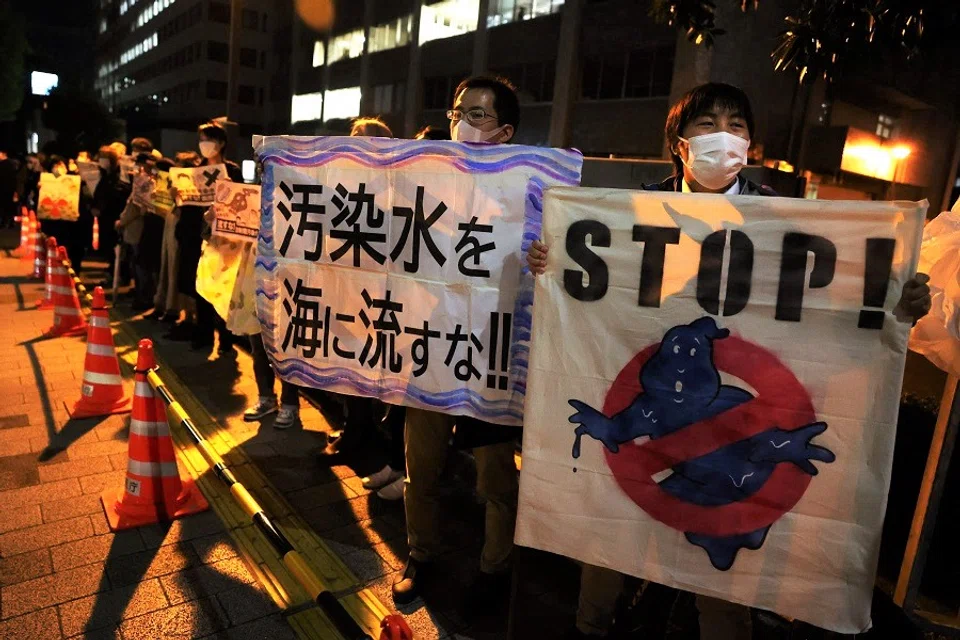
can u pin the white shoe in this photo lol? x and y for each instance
(263, 408)
(394, 490)
(286, 418)
(380, 479)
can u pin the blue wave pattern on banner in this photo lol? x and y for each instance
(551, 167)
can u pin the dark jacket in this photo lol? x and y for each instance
(747, 187)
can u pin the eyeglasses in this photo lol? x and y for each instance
(473, 116)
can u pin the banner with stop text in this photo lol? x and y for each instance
(394, 269)
(713, 392)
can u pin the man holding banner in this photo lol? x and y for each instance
(747, 412)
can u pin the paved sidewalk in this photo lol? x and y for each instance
(62, 573)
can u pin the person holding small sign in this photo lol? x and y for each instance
(709, 131)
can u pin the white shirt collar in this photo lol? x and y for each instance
(734, 189)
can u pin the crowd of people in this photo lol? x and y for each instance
(708, 132)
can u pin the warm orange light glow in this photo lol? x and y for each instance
(901, 152)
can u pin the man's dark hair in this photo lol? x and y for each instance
(432, 133)
(699, 100)
(165, 164)
(141, 145)
(505, 99)
(215, 132)
(52, 161)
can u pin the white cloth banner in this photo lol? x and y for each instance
(197, 185)
(713, 393)
(59, 197)
(237, 211)
(395, 268)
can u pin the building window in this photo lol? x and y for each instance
(219, 12)
(319, 54)
(246, 94)
(306, 107)
(342, 103)
(534, 81)
(506, 11)
(641, 73)
(248, 57)
(391, 35)
(448, 19)
(383, 98)
(885, 126)
(347, 45)
(437, 92)
(249, 19)
(218, 51)
(216, 90)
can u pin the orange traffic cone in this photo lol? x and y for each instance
(394, 627)
(153, 490)
(47, 301)
(24, 232)
(101, 393)
(39, 256)
(27, 253)
(68, 319)
(96, 235)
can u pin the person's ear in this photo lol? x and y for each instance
(506, 134)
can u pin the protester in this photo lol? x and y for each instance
(189, 234)
(150, 247)
(709, 131)
(109, 200)
(82, 235)
(371, 128)
(64, 231)
(484, 110)
(288, 412)
(28, 181)
(169, 303)
(131, 223)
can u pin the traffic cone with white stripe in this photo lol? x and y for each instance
(24, 233)
(153, 490)
(68, 319)
(39, 255)
(26, 252)
(101, 392)
(47, 301)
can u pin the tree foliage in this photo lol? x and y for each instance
(13, 52)
(821, 37)
(80, 120)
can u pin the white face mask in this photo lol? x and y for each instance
(466, 132)
(104, 163)
(208, 149)
(58, 171)
(715, 159)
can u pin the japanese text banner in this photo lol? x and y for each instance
(395, 269)
(713, 392)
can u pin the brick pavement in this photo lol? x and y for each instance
(62, 573)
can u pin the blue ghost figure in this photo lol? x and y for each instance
(681, 386)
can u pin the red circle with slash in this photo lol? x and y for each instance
(781, 401)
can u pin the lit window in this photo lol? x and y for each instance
(319, 54)
(448, 19)
(505, 11)
(305, 107)
(41, 83)
(885, 126)
(249, 168)
(347, 45)
(103, 26)
(383, 98)
(342, 103)
(391, 35)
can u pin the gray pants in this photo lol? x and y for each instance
(167, 297)
(600, 588)
(427, 438)
(264, 375)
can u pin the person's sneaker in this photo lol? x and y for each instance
(380, 479)
(394, 490)
(407, 588)
(263, 408)
(156, 314)
(286, 418)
